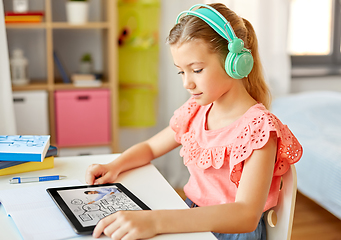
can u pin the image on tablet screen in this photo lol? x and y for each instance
(92, 204)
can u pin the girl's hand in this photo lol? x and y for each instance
(100, 174)
(127, 225)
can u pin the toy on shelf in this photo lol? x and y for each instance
(19, 66)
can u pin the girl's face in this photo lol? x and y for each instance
(201, 71)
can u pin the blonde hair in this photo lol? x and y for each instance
(191, 28)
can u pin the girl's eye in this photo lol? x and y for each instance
(181, 72)
(198, 71)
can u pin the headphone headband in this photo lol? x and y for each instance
(213, 18)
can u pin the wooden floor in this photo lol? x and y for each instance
(311, 222)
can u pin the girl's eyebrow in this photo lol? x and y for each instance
(190, 64)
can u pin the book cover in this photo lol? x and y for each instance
(52, 151)
(7, 164)
(29, 13)
(79, 76)
(61, 69)
(29, 148)
(29, 166)
(19, 22)
(87, 83)
(23, 18)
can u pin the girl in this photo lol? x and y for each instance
(234, 148)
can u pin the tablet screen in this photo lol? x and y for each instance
(84, 206)
(92, 204)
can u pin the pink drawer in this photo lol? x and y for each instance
(82, 117)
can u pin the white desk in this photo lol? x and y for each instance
(157, 195)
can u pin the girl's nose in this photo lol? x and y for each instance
(188, 83)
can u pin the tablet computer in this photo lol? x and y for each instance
(84, 206)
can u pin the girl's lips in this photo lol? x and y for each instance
(196, 95)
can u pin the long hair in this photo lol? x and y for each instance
(191, 28)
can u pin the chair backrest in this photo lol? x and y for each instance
(279, 219)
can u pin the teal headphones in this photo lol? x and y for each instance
(239, 61)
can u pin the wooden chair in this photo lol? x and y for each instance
(279, 219)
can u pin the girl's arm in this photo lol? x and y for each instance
(137, 155)
(238, 217)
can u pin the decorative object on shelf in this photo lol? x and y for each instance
(77, 11)
(19, 66)
(85, 66)
(20, 6)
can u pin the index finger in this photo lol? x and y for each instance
(90, 176)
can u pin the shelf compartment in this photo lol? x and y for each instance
(33, 44)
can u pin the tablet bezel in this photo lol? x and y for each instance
(76, 225)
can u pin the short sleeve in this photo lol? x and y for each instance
(182, 118)
(255, 135)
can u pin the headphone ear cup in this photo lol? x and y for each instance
(239, 65)
(243, 64)
(229, 65)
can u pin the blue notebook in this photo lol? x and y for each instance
(52, 151)
(23, 147)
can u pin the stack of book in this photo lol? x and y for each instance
(27, 17)
(24, 153)
(86, 80)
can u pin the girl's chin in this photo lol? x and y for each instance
(201, 102)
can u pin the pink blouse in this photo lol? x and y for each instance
(215, 158)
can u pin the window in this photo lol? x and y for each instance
(314, 37)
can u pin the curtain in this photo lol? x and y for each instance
(7, 118)
(270, 20)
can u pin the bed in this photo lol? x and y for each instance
(315, 119)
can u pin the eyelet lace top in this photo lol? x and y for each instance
(225, 149)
